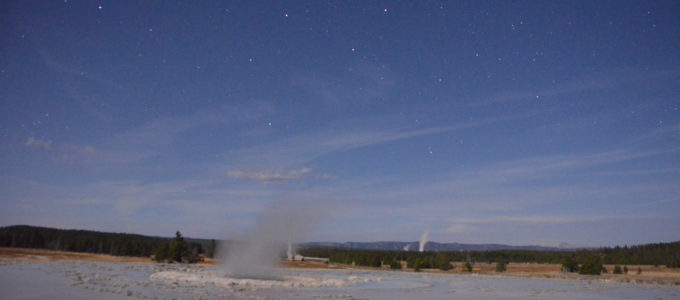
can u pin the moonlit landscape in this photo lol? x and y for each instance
(339, 149)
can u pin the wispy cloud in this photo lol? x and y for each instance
(554, 230)
(540, 167)
(359, 85)
(541, 219)
(62, 152)
(519, 191)
(509, 173)
(270, 176)
(129, 197)
(458, 228)
(156, 137)
(350, 136)
(610, 80)
(663, 133)
(38, 143)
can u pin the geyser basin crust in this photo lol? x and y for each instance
(78, 280)
(211, 278)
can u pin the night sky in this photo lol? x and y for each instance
(530, 122)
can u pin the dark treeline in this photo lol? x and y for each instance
(667, 254)
(431, 259)
(119, 244)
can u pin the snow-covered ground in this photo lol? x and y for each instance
(82, 280)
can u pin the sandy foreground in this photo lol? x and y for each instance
(41, 274)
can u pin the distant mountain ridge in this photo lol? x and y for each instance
(434, 246)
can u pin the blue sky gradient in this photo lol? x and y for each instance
(530, 122)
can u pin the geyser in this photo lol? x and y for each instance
(289, 252)
(424, 239)
(279, 226)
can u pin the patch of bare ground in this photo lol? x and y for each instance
(37, 255)
(41, 255)
(655, 275)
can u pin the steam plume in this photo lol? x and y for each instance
(276, 230)
(424, 239)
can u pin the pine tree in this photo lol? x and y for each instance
(467, 266)
(592, 266)
(416, 265)
(569, 264)
(501, 266)
(443, 262)
(178, 248)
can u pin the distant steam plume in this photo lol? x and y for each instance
(424, 239)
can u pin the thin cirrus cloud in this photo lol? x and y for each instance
(270, 176)
(606, 81)
(470, 187)
(528, 184)
(336, 91)
(38, 143)
(508, 173)
(362, 133)
(538, 220)
(458, 228)
(156, 137)
(64, 151)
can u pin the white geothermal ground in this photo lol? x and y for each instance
(82, 280)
